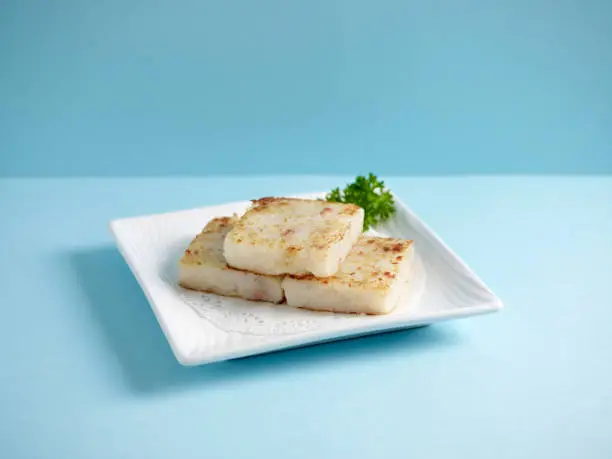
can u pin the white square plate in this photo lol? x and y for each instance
(204, 328)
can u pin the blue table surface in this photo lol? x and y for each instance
(86, 372)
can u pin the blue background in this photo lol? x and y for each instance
(101, 101)
(133, 87)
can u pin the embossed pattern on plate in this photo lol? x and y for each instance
(203, 328)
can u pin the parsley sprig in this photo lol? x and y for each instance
(370, 194)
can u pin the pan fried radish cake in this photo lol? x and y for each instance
(293, 236)
(203, 267)
(370, 280)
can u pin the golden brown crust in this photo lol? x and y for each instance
(372, 264)
(230, 296)
(307, 276)
(293, 249)
(350, 209)
(344, 312)
(271, 199)
(261, 203)
(197, 249)
(231, 268)
(222, 221)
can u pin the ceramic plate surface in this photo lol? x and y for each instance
(204, 328)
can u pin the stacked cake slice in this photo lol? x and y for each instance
(310, 253)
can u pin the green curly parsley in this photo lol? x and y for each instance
(370, 194)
